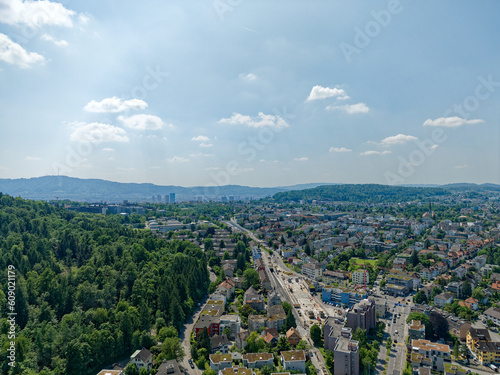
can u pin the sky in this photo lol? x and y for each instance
(257, 93)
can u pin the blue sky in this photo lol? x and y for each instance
(255, 93)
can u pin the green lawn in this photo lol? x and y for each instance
(362, 261)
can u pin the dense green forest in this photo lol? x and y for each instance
(369, 193)
(89, 289)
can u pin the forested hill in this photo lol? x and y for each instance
(368, 193)
(89, 290)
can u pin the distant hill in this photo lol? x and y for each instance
(368, 193)
(469, 186)
(97, 190)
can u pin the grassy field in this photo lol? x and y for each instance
(361, 261)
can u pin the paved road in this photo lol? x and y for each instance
(397, 356)
(185, 335)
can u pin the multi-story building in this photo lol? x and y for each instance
(294, 360)
(337, 338)
(344, 296)
(254, 299)
(416, 330)
(362, 315)
(220, 361)
(256, 322)
(346, 357)
(488, 352)
(312, 270)
(455, 288)
(273, 298)
(211, 323)
(475, 336)
(493, 313)
(257, 360)
(341, 278)
(438, 354)
(360, 277)
(233, 322)
(442, 299)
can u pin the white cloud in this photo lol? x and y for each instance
(212, 168)
(320, 92)
(461, 166)
(339, 149)
(201, 138)
(13, 53)
(114, 105)
(32, 158)
(206, 145)
(260, 121)
(350, 108)
(368, 153)
(59, 43)
(200, 154)
(301, 159)
(96, 132)
(108, 149)
(154, 167)
(142, 122)
(35, 13)
(177, 159)
(397, 140)
(250, 77)
(451, 122)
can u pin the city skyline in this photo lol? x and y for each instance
(250, 93)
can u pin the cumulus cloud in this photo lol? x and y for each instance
(371, 152)
(350, 108)
(451, 122)
(13, 53)
(339, 149)
(260, 121)
(177, 159)
(397, 140)
(96, 132)
(108, 149)
(206, 145)
(115, 105)
(142, 122)
(32, 158)
(301, 159)
(35, 13)
(461, 166)
(320, 92)
(200, 138)
(59, 43)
